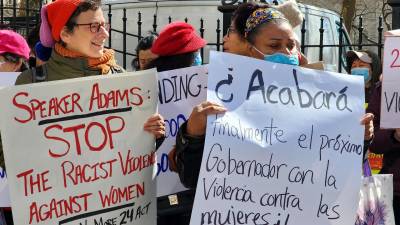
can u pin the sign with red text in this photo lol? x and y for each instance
(390, 99)
(4, 193)
(288, 150)
(76, 151)
(179, 91)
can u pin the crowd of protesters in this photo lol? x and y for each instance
(71, 45)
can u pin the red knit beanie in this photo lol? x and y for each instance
(58, 13)
(177, 38)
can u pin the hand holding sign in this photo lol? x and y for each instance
(198, 118)
(155, 125)
(368, 121)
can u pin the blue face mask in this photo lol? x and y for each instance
(197, 60)
(361, 71)
(292, 59)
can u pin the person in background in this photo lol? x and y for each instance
(143, 52)
(177, 47)
(386, 142)
(367, 64)
(14, 52)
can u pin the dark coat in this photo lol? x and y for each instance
(189, 152)
(384, 141)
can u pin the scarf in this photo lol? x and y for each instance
(103, 63)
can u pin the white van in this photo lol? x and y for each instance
(207, 10)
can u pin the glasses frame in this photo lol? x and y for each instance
(230, 30)
(95, 27)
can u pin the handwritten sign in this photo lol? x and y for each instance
(179, 91)
(390, 100)
(76, 152)
(289, 149)
(4, 193)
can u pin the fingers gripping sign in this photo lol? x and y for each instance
(155, 125)
(198, 118)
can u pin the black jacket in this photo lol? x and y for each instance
(189, 152)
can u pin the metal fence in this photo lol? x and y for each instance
(20, 19)
(10, 19)
(341, 47)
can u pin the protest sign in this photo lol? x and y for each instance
(4, 195)
(289, 149)
(390, 99)
(76, 152)
(8, 78)
(179, 91)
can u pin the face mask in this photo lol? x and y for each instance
(361, 71)
(197, 60)
(292, 59)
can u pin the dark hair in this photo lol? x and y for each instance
(13, 58)
(144, 44)
(241, 15)
(33, 37)
(164, 63)
(84, 6)
(376, 68)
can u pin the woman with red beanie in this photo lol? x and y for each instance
(77, 31)
(177, 47)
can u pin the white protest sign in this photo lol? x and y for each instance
(390, 99)
(289, 149)
(8, 78)
(76, 152)
(179, 91)
(4, 192)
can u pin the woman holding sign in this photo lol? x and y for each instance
(78, 31)
(257, 31)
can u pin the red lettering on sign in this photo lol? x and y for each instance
(57, 208)
(94, 130)
(395, 63)
(34, 182)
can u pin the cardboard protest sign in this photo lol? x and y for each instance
(179, 91)
(4, 194)
(76, 152)
(390, 105)
(288, 150)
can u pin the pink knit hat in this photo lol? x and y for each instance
(11, 42)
